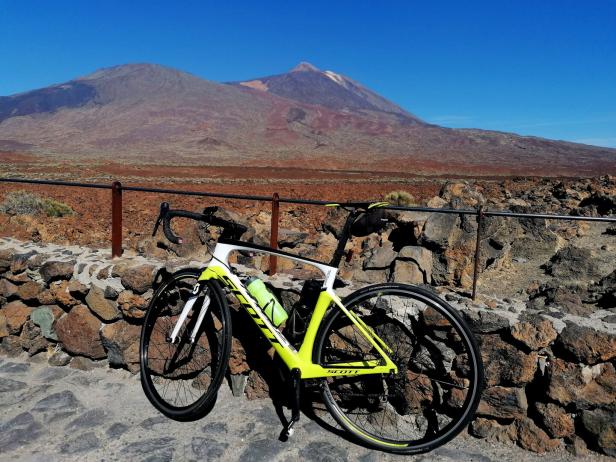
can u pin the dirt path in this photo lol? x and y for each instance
(59, 413)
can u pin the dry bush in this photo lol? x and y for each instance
(27, 203)
(400, 198)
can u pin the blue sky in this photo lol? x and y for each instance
(545, 68)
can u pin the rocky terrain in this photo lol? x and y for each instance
(545, 317)
(148, 114)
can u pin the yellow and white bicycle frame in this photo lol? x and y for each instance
(219, 269)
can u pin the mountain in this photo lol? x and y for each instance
(146, 113)
(310, 85)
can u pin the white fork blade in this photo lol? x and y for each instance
(204, 307)
(178, 325)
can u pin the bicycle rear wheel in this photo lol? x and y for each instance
(181, 379)
(437, 387)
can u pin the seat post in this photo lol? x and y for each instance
(344, 238)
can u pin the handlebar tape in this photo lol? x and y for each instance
(234, 228)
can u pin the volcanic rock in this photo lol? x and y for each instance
(121, 340)
(138, 279)
(531, 437)
(16, 314)
(555, 420)
(581, 386)
(506, 364)
(535, 334)
(104, 308)
(79, 333)
(53, 270)
(503, 403)
(586, 344)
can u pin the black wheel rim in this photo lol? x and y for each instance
(182, 375)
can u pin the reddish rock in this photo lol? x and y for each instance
(79, 333)
(105, 309)
(61, 295)
(418, 392)
(503, 403)
(17, 278)
(139, 278)
(46, 298)
(5, 260)
(53, 270)
(16, 314)
(493, 431)
(31, 338)
(256, 386)
(104, 273)
(7, 288)
(237, 361)
(11, 346)
(577, 446)
(432, 318)
(582, 386)
(535, 335)
(555, 420)
(531, 437)
(29, 291)
(77, 289)
(486, 321)
(121, 340)
(601, 424)
(408, 272)
(20, 262)
(506, 364)
(421, 256)
(202, 382)
(586, 344)
(570, 302)
(4, 328)
(132, 305)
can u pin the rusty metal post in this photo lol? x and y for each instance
(480, 216)
(274, 232)
(116, 219)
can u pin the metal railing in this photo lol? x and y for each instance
(116, 213)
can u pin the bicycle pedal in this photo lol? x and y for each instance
(287, 431)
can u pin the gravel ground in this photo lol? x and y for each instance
(59, 413)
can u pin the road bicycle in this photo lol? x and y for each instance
(396, 366)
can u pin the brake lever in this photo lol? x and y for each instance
(164, 209)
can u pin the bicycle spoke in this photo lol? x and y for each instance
(181, 372)
(426, 396)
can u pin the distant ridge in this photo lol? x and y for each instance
(147, 113)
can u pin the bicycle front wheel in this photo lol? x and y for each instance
(181, 378)
(437, 387)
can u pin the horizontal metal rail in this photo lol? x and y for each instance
(57, 183)
(288, 200)
(117, 188)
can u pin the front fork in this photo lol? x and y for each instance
(186, 310)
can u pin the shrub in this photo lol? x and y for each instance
(401, 198)
(55, 208)
(27, 203)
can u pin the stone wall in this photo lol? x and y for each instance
(550, 373)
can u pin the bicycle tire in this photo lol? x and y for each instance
(359, 403)
(192, 373)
